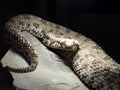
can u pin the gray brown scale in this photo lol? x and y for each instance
(90, 63)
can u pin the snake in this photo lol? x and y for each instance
(89, 61)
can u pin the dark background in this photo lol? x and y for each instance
(97, 19)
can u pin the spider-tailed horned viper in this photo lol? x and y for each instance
(91, 64)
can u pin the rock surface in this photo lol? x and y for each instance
(51, 72)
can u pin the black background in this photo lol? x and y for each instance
(97, 19)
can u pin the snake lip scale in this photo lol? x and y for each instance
(90, 63)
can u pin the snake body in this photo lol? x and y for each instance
(91, 64)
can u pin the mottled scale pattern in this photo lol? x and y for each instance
(90, 63)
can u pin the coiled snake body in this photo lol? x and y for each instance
(91, 64)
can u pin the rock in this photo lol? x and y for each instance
(50, 74)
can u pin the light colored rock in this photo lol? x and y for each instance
(51, 72)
